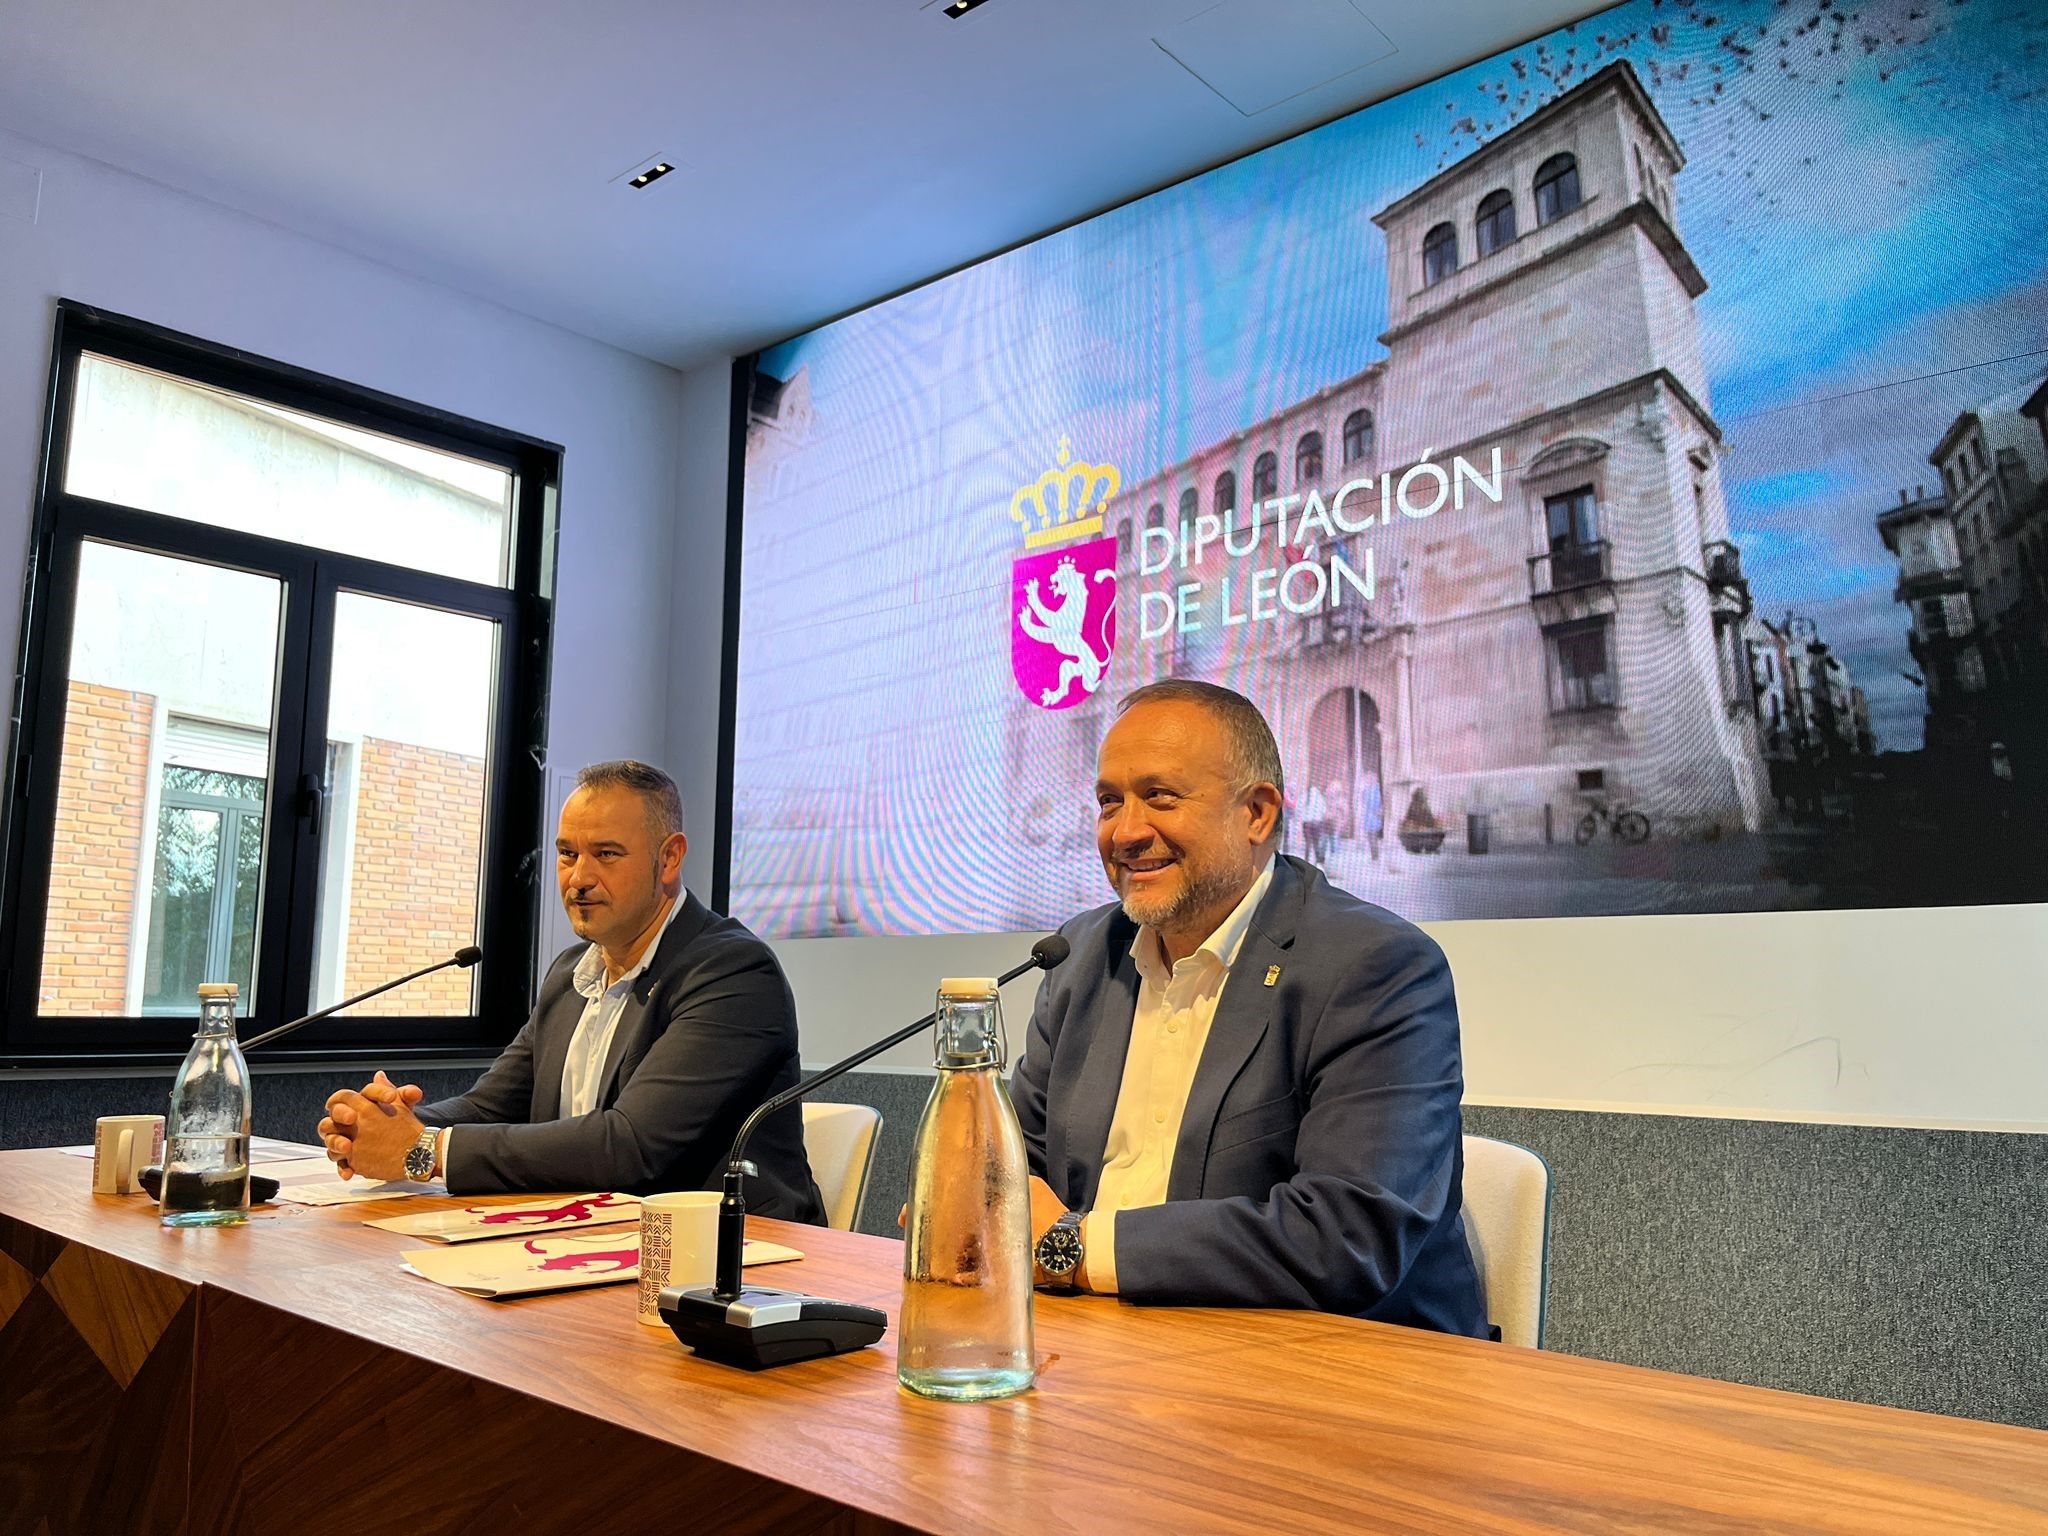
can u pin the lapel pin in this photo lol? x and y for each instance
(1272, 974)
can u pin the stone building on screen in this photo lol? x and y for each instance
(1973, 576)
(1583, 639)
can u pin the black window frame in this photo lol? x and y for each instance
(512, 880)
(1576, 554)
(1225, 493)
(1494, 225)
(1571, 519)
(1557, 639)
(1359, 434)
(1439, 254)
(1265, 476)
(1308, 458)
(1556, 188)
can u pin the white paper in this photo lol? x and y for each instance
(476, 1223)
(333, 1190)
(524, 1267)
(262, 1149)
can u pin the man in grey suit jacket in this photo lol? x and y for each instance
(646, 1047)
(1242, 1087)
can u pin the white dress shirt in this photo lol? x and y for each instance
(583, 1068)
(1170, 1027)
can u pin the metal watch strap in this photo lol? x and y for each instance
(1070, 1221)
(419, 1157)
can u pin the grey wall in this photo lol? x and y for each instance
(1884, 1266)
(137, 247)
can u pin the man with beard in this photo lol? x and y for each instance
(648, 1044)
(1242, 1087)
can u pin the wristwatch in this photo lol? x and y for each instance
(419, 1157)
(1059, 1251)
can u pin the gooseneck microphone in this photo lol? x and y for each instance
(465, 957)
(756, 1328)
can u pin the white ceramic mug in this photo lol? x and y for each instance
(678, 1245)
(122, 1146)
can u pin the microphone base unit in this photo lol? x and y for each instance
(760, 1328)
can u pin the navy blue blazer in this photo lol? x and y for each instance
(708, 1032)
(1320, 1158)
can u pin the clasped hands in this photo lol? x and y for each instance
(368, 1132)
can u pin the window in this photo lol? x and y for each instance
(283, 706)
(1155, 516)
(1190, 503)
(1970, 673)
(1496, 221)
(1557, 188)
(1357, 436)
(204, 875)
(1226, 493)
(1123, 534)
(1577, 554)
(1308, 458)
(1265, 476)
(1439, 254)
(1581, 676)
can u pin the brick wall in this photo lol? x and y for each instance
(413, 873)
(98, 851)
(413, 876)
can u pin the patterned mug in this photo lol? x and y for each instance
(678, 1245)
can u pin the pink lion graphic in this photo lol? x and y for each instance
(609, 1262)
(584, 1209)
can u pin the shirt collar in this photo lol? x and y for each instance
(1220, 948)
(589, 974)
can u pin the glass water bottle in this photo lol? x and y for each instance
(206, 1134)
(966, 1328)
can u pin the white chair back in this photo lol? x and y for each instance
(839, 1140)
(1507, 1223)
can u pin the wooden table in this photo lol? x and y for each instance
(286, 1377)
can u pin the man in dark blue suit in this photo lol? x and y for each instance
(648, 1044)
(1242, 1087)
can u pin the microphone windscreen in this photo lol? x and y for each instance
(468, 955)
(1050, 951)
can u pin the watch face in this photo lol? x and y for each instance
(1059, 1251)
(419, 1161)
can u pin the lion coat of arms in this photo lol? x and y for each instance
(1063, 590)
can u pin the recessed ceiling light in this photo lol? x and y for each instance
(652, 174)
(960, 8)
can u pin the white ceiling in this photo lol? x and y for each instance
(829, 151)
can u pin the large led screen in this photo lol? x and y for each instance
(1616, 469)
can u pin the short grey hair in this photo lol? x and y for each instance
(657, 791)
(1254, 753)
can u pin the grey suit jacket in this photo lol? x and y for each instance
(1320, 1155)
(708, 1033)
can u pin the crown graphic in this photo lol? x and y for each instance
(1066, 502)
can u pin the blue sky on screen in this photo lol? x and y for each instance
(1863, 193)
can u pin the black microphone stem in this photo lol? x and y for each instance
(315, 1018)
(732, 1209)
